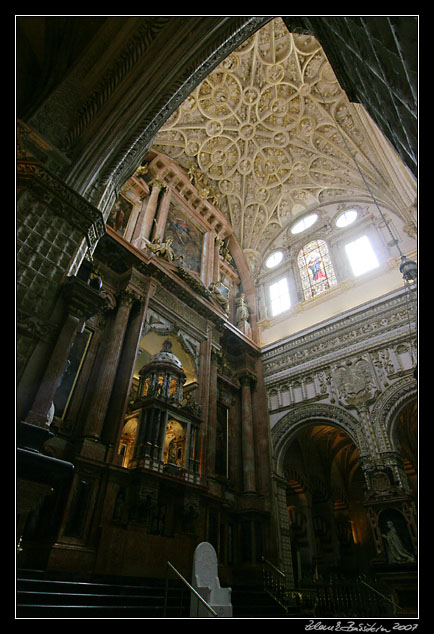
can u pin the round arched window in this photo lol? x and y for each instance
(316, 269)
(346, 218)
(304, 223)
(274, 259)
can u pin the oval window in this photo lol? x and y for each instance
(346, 218)
(274, 259)
(304, 223)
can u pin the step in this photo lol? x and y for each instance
(254, 602)
(57, 595)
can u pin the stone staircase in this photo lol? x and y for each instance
(50, 595)
(252, 602)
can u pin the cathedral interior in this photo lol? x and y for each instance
(216, 303)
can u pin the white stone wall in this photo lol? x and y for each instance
(343, 370)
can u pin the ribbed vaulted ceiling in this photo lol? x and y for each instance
(273, 135)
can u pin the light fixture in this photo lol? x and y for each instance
(408, 269)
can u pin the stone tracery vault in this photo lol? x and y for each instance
(272, 134)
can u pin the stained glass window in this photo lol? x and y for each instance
(316, 269)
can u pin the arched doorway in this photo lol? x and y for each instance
(329, 528)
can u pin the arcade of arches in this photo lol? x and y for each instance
(177, 383)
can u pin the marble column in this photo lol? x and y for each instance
(107, 368)
(161, 428)
(247, 438)
(160, 222)
(203, 395)
(119, 400)
(212, 416)
(146, 217)
(81, 303)
(216, 265)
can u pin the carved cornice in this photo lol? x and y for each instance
(61, 199)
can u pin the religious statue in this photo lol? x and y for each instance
(164, 249)
(224, 250)
(216, 293)
(396, 553)
(242, 315)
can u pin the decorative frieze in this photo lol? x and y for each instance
(376, 322)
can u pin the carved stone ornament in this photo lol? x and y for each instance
(380, 483)
(354, 383)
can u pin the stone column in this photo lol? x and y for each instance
(247, 438)
(203, 395)
(161, 428)
(81, 303)
(212, 415)
(162, 215)
(208, 259)
(108, 366)
(119, 400)
(216, 266)
(142, 432)
(147, 214)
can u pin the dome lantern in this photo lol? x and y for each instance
(163, 377)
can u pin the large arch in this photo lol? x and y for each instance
(291, 423)
(102, 143)
(388, 407)
(329, 528)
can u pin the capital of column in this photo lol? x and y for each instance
(127, 297)
(157, 184)
(247, 378)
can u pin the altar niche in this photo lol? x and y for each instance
(167, 436)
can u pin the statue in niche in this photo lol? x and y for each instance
(242, 315)
(396, 553)
(215, 289)
(224, 250)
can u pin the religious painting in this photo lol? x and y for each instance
(120, 215)
(316, 269)
(71, 372)
(187, 239)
